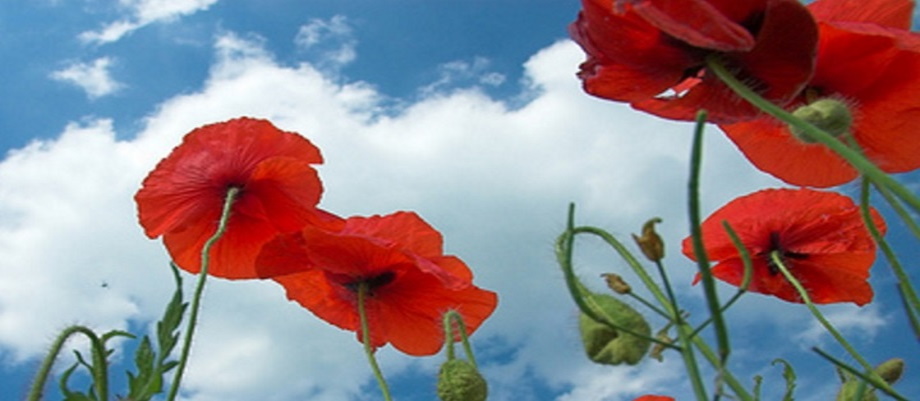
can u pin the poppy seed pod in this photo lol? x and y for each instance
(608, 346)
(459, 380)
(830, 115)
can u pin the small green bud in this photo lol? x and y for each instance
(607, 346)
(460, 381)
(891, 370)
(830, 115)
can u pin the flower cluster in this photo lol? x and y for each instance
(844, 66)
(275, 230)
(858, 56)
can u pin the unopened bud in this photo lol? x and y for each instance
(608, 346)
(830, 115)
(616, 283)
(891, 370)
(658, 348)
(459, 380)
(650, 242)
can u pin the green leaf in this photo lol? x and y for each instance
(789, 375)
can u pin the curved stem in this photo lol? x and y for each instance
(366, 339)
(100, 378)
(696, 235)
(232, 192)
(857, 160)
(906, 289)
(454, 316)
(806, 299)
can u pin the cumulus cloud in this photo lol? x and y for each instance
(141, 13)
(94, 78)
(495, 180)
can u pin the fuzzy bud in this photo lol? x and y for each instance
(830, 115)
(890, 371)
(607, 346)
(459, 380)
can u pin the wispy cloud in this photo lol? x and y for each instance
(330, 43)
(94, 77)
(141, 13)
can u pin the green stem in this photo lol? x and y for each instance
(851, 155)
(746, 278)
(876, 381)
(907, 291)
(777, 260)
(564, 249)
(232, 193)
(100, 376)
(454, 316)
(366, 339)
(696, 235)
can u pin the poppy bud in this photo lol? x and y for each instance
(890, 371)
(607, 346)
(830, 115)
(616, 283)
(459, 380)
(650, 242)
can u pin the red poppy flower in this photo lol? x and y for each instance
(652, 53)
(868, 59)
(399, 257)
(820, 236)
(182, 198)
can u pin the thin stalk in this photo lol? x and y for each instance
(806, 299)
(876, 382)
(232, 192)
(100, 376)
(564, 248)
(454, 316)
(745, 280)
(906, 289)
(852, 156)
(366, 339)
(899, 209)
(696, 235)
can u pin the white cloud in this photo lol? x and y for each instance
(330, 43)
(142, 13)
(495, 180)
(95, 78)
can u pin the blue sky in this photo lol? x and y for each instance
(467, 112)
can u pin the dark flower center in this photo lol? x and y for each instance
(372, 283)
(776, 246)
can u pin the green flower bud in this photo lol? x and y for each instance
(891, 370)
(607, 346)
(460, 381)
(830, 115)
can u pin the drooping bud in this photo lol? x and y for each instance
(459, 380)
(650, 242)
(830, 115)
(657, 352)
(616, 283)
(608, 346)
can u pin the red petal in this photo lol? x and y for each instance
(702, 23)
(891, 13)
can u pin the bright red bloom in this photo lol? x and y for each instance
(400, 257)
(182, 198)
(652, 53)
(820, 236)
(868, 58)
